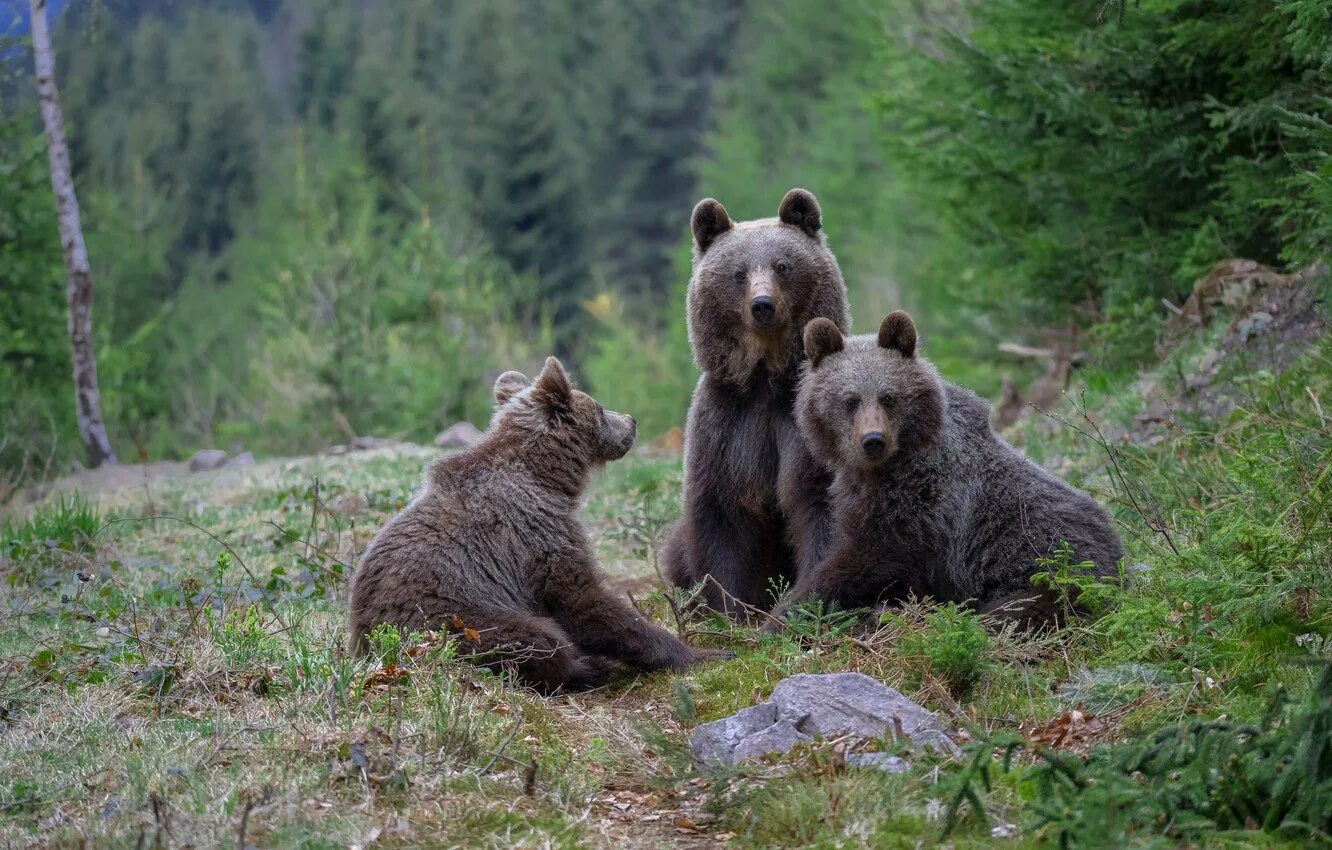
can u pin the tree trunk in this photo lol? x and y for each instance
(78, 292)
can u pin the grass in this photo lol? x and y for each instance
(173, 671)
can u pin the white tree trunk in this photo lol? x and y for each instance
(78, 292)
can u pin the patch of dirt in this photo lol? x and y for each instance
(114, 477)
(1274, 318)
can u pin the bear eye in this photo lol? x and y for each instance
(781, 267)
(886, 401)
(851, 402)
(740, 275)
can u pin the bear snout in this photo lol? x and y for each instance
(874, 444)
(621, 438)
(764, 310)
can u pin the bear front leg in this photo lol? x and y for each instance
(849, 578)
(734, 553)
(803, 492)
(604, 624)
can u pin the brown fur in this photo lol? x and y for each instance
(755, 500)
(493, 544)
(927, 500)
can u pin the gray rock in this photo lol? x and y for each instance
(882, 761)
(806, 706)
(241, 460)
(361, 444)
(206, 460)
(460, 435)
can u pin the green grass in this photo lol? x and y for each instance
(163, 676)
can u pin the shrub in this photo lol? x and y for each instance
(952, 645)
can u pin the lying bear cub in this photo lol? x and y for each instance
(927, 500)
(493, 548)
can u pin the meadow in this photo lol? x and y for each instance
(175, 673)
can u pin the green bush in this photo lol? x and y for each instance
(951, 645)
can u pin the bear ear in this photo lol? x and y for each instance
(821, 339)
(709, 221)
(898, 333)
(801, 209)
(552, 388)
(509, 385)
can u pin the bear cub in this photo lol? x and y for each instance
(493, 543)
(754, 500)
(927, 500)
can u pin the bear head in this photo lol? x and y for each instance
(866, 401)
(755, 285)
(551, 409)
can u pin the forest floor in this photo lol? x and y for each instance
(173, 673)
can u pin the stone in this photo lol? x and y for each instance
(806, 707)
(206, 460)
(460, 435)
(362, 444)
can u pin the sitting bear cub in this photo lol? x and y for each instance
(927, 499)
(493, 542)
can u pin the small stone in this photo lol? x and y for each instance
(206, 460)
(460, 435)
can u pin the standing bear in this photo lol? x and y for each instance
(926, 498)
(493, 543)
(754, 500)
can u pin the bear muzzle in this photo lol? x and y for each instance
(764, 311)
(765, 307)
(874, 445)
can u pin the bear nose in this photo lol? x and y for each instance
(763, 309)
(873, 444)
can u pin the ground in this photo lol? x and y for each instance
(174, 671)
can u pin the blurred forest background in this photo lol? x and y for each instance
(310, 218)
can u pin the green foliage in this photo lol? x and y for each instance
(307, 218)
(67, 523)
(1073, 584)
(385, 641)
(34, 355)
(1084, 159)
(243, 636)
(634, 367)
(1194, 778)
(950, 644)
(1243, 501)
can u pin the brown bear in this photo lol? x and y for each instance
(492, 547)
(927, 500)
(754, 500)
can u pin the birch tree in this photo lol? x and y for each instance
(78, 291)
